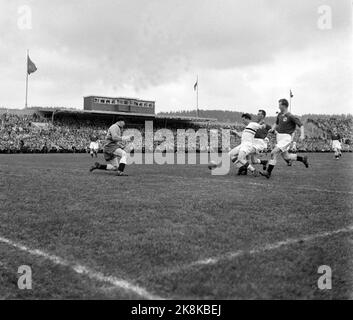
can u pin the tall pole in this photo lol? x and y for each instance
(26, 79)
(197, 97)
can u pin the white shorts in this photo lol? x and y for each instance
(284, 141)
(247, 148)
(336, 145)
(234, 152)
(260, 145)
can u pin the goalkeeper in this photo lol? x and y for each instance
(114, 153)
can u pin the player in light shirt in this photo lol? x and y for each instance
(114, 153)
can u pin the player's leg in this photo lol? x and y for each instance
(91, 152)
(112, 163)
(255, 160)
(335, 150)
(273, 161)
(233, 155)
(242, 161)
(123, 160)
(294, 157)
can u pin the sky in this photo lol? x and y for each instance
(246, 54)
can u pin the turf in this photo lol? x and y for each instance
(146, 227)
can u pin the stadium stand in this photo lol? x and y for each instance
(59, 130)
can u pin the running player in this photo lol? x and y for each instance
(260, 143)
(239, 154)
(336, 144)
(114, 153)
(94, 147)
(284, 127)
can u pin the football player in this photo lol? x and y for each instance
(260, 142)
(239, 154)
(94, 147)
(114, 153)
(336, 144)
(284, 128)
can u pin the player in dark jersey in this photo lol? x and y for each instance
(114, 153)
(336, 143)
(284, 128)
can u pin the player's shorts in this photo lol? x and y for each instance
(336, 145)
(94, 150)
(260, 145)
(115, 157)
(247, 148)
(234, 152)
(284, 141)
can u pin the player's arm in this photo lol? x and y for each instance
(117, 137)
(235, 132)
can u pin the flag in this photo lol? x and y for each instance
(291, 94)
(196, 84)
(31, 67)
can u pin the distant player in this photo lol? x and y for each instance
(336, 144)
(94, 147)
(284, 128)
(114, 153)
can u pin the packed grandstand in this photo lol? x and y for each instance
(44, 130)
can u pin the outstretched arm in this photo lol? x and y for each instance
(236, 133)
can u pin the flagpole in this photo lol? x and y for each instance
(197, 97)
(290, 100)
(26, 79)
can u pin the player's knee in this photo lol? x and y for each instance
(286, 156)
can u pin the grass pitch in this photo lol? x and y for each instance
(150, 228)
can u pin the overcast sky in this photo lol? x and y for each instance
(247, 54)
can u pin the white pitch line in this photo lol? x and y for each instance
(268, 247)
(82, 270)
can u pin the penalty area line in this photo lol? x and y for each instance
(83, 270)
(257, 250)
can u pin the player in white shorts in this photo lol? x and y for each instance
(260, 143)
(94, 148)
(284, 128)
(239, 154)
(336, 144)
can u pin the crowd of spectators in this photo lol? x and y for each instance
(36, 134)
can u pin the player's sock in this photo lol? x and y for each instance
(102, 166)
(270, 168)
(121, 167)
(264, 164)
